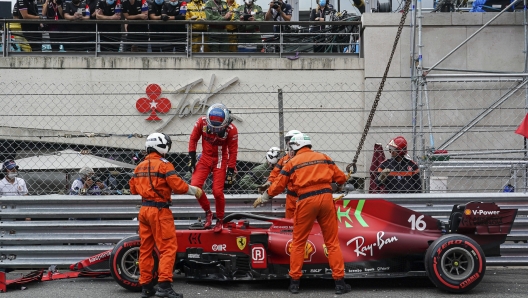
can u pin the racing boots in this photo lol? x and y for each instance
(148, 290)
(165, 290)
(294, 286)
(219, 225)
(208, 219)
(342, 287)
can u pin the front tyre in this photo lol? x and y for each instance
(124, 263)
(455, 263)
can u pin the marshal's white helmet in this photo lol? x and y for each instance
(273, 155)
(158, 142)
(290, 134)
(299, 140)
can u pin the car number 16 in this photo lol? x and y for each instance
(417, 223)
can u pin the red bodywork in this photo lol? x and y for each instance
(378, 239)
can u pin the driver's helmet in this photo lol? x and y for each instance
(217, 118)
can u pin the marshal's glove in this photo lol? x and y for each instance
(230, 178)
(262, 199)
(383, 175)
(192, 162)
(195, 191)
(262, 188)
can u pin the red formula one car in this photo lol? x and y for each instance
(378, 239)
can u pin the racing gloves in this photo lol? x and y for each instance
(262, 188)
(230, 178)
(383, 175)
(262, 199)
(195, 191)
(192, 162)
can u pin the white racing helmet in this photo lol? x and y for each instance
(273, 155)
(299, 140)
(158, 142)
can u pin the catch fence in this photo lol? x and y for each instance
(52, 129)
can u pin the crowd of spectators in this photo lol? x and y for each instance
(79, 35)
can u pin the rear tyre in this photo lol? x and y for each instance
(124, 264)
(455, 263)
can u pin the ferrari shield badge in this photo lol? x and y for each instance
(241, 242)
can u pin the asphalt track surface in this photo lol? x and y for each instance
(498, 282)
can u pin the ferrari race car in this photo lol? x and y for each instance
(379, 239)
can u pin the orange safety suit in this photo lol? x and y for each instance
(291, 197)
(309, 175)
(155, 179)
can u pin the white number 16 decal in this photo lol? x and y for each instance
(417, 223)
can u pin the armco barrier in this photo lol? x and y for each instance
(52, 237)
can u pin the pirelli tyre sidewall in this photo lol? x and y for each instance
(455, 263)
(124, 263)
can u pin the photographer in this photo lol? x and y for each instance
(249, 12)
(279, 11)
(87, 184)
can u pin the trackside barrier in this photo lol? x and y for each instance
(53, 237)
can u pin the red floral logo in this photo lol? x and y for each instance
(153, 103)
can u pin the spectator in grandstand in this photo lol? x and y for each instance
(87, 184)
(196, 12)
(11, 185)
(52, 10)
(232, 37)
(77, 12)
(259, 174)
(109, 10)
(319, 14)
(279, 11)
(218, 10)
(167, 11)
(16, 12)
(249, 12)
(399, 174)
(28, 10)
(137, 33)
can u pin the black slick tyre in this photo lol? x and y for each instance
(124, 263)
(455, 263)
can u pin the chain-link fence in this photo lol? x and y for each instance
(53, 130)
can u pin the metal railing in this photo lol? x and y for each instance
(335, 37)
(51, 237)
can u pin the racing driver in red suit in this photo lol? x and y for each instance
(219, 155)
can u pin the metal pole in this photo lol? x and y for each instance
(413, 76)
(97, 45)
(470, 37)
(525, 144)
(281, 121)
(4, 39)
